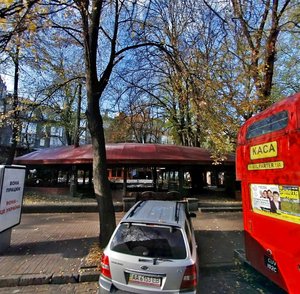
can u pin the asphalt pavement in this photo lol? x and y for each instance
(49, 253)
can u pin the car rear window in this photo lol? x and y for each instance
(149, 241)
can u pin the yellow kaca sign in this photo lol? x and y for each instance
(265, 150)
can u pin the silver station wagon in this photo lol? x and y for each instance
(153, 250)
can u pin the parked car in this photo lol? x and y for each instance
(153, 249)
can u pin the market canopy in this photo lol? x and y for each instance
(123, 153)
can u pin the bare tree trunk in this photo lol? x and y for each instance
(77, 124)
(262, 43)
(95, 88)
(91, 15)
(16, 119)
(101, 183)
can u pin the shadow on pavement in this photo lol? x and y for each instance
(69, 248)
(221, 272)
(216, 248)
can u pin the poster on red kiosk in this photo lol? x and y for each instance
(277, 201)
(12, 179)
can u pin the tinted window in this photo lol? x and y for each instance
(270, 124)
(149, 241)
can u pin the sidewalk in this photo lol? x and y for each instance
(53, 247)
(50, 248)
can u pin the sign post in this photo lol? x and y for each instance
(12, 179)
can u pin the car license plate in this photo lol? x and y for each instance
(271, 264)
(144, 280)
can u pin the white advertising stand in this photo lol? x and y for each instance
(12, 179)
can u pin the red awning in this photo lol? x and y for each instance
(122, 153)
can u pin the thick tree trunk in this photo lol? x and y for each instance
(95, 88)
(101, 183)
(103, 193)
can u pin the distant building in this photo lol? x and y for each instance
(39, 127)
(3, 92)
(5, 130)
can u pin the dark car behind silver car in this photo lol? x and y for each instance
(153, 250)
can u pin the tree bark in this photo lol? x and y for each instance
(95, 88)
(262, 52)
(16, 119)
(101, 184)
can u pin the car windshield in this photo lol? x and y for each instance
(149, 241)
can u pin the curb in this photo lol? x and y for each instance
(66, 208)
(208, 206)
(92, 207)
(218, 265)
(90, 275)
(220, 209)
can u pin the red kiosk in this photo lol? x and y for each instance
(268, 166)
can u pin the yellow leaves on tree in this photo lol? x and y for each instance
(7, 3)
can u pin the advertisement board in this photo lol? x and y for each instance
(278, 201)
(11, 195)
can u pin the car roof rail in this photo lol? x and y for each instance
(135, 208)
(177, 209)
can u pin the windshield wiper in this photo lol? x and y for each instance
(155, 260)
(161, 259)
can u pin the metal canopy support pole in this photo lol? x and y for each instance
(181, 180)
(91, 176)
(125, 170)
(154, 178)
(73, 183)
